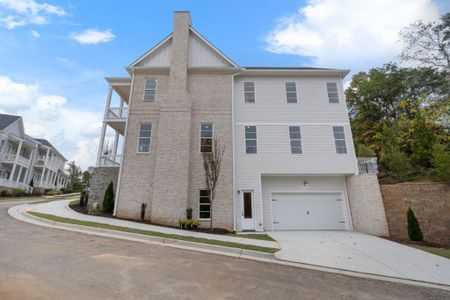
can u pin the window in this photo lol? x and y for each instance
(332, 91)
(339, 139)
(204, 211)
(145, 136)
(295, 137)
(149, 89)
(206, 137)
(250, 139)
(291, 92)
(249, 92)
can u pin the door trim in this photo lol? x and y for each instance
(242, 209)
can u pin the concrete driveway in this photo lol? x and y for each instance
(364, 253)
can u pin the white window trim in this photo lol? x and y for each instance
(344, 139)
(245, 141)
(301, 141)
(200, 137)
(337, 88)
(286, 92)
(243, 92)
(210, 210)
(143, 91)
(139, 137)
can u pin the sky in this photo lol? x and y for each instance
(54, 55)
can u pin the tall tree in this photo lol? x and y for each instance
(211, 163)
(86, 180)
(428, 43)
(74, 175)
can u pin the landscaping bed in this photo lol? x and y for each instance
(154, 233)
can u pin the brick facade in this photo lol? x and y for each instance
(366, 205)
(101, 177)
(430, 203)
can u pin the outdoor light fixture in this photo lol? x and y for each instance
(239, 192)
(306, 183)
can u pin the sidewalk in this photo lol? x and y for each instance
(62, 209)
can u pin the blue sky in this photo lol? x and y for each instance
(55, 54)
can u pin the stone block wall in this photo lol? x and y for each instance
(430, 203)
(101, 177)
(366, 205)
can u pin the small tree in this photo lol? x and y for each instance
(414, 231)
(86, 180)
(108, 199)
(211, 164)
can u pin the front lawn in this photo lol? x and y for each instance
(438, 251)
(255, 236)
(154, 233)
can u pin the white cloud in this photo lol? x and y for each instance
(74, 132)
(35, 34)
(24, 12)
(348, 33)
(93, 36)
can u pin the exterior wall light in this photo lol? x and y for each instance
(306, 183)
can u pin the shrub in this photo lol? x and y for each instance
(108, 199)
(18, 192)
(4, 193)
(189, 213)
(364, 151)
(414, 231)
(398, 165)
(441, 163)
(53, 193)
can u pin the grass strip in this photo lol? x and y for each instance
(255, 236)
(438, 251)
(154, 233)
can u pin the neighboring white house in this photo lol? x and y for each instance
(23, 158)
(289, 160)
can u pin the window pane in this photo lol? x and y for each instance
(248, 213)
(249, 86)
(249, 97)
(332, 92)
(207, 126)
(290, 87)
(250, 143)
(150, 84)
(250, 150)
(149, 95)
(204, 193)
(146, 126)
(204, 215)
(341, 150)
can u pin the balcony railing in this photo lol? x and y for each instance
(14, 184)
(9, 157)
(367, 165)
(110, 160)
(117, 113)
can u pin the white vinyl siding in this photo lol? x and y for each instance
(206, 137)
(145, 136)
(204, 209)
(272, 117)
(250, 140)
(339, 139)
(249, 92)
(149, 89)
(291, 92)
(295, 136)
(332, 90)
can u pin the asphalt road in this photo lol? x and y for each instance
(43, 263)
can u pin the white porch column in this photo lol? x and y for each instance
(43, 168)
(15, 161)
(42, 177)
(105, 116)
(19, 174)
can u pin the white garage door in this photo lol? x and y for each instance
(294, 211)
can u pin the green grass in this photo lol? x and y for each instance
(438, 251)
(154, 233)
(74, 202)
(255, 236)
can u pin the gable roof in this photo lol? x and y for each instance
(48, 144)
(6, 120)
(159, 55)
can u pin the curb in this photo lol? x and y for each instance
(17, 213)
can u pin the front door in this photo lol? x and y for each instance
(248, 222)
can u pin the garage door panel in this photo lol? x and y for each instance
(296, 211)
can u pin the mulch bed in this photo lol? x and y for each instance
(83, 210)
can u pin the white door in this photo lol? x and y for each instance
(247, 219)
(315, 211)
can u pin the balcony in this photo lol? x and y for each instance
(110, 160)
(117, 113)
(367, 165)
(14, 184)
(11, 158)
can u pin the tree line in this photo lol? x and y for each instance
(401, 114)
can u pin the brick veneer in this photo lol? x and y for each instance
(101, 177)
(429, 201)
